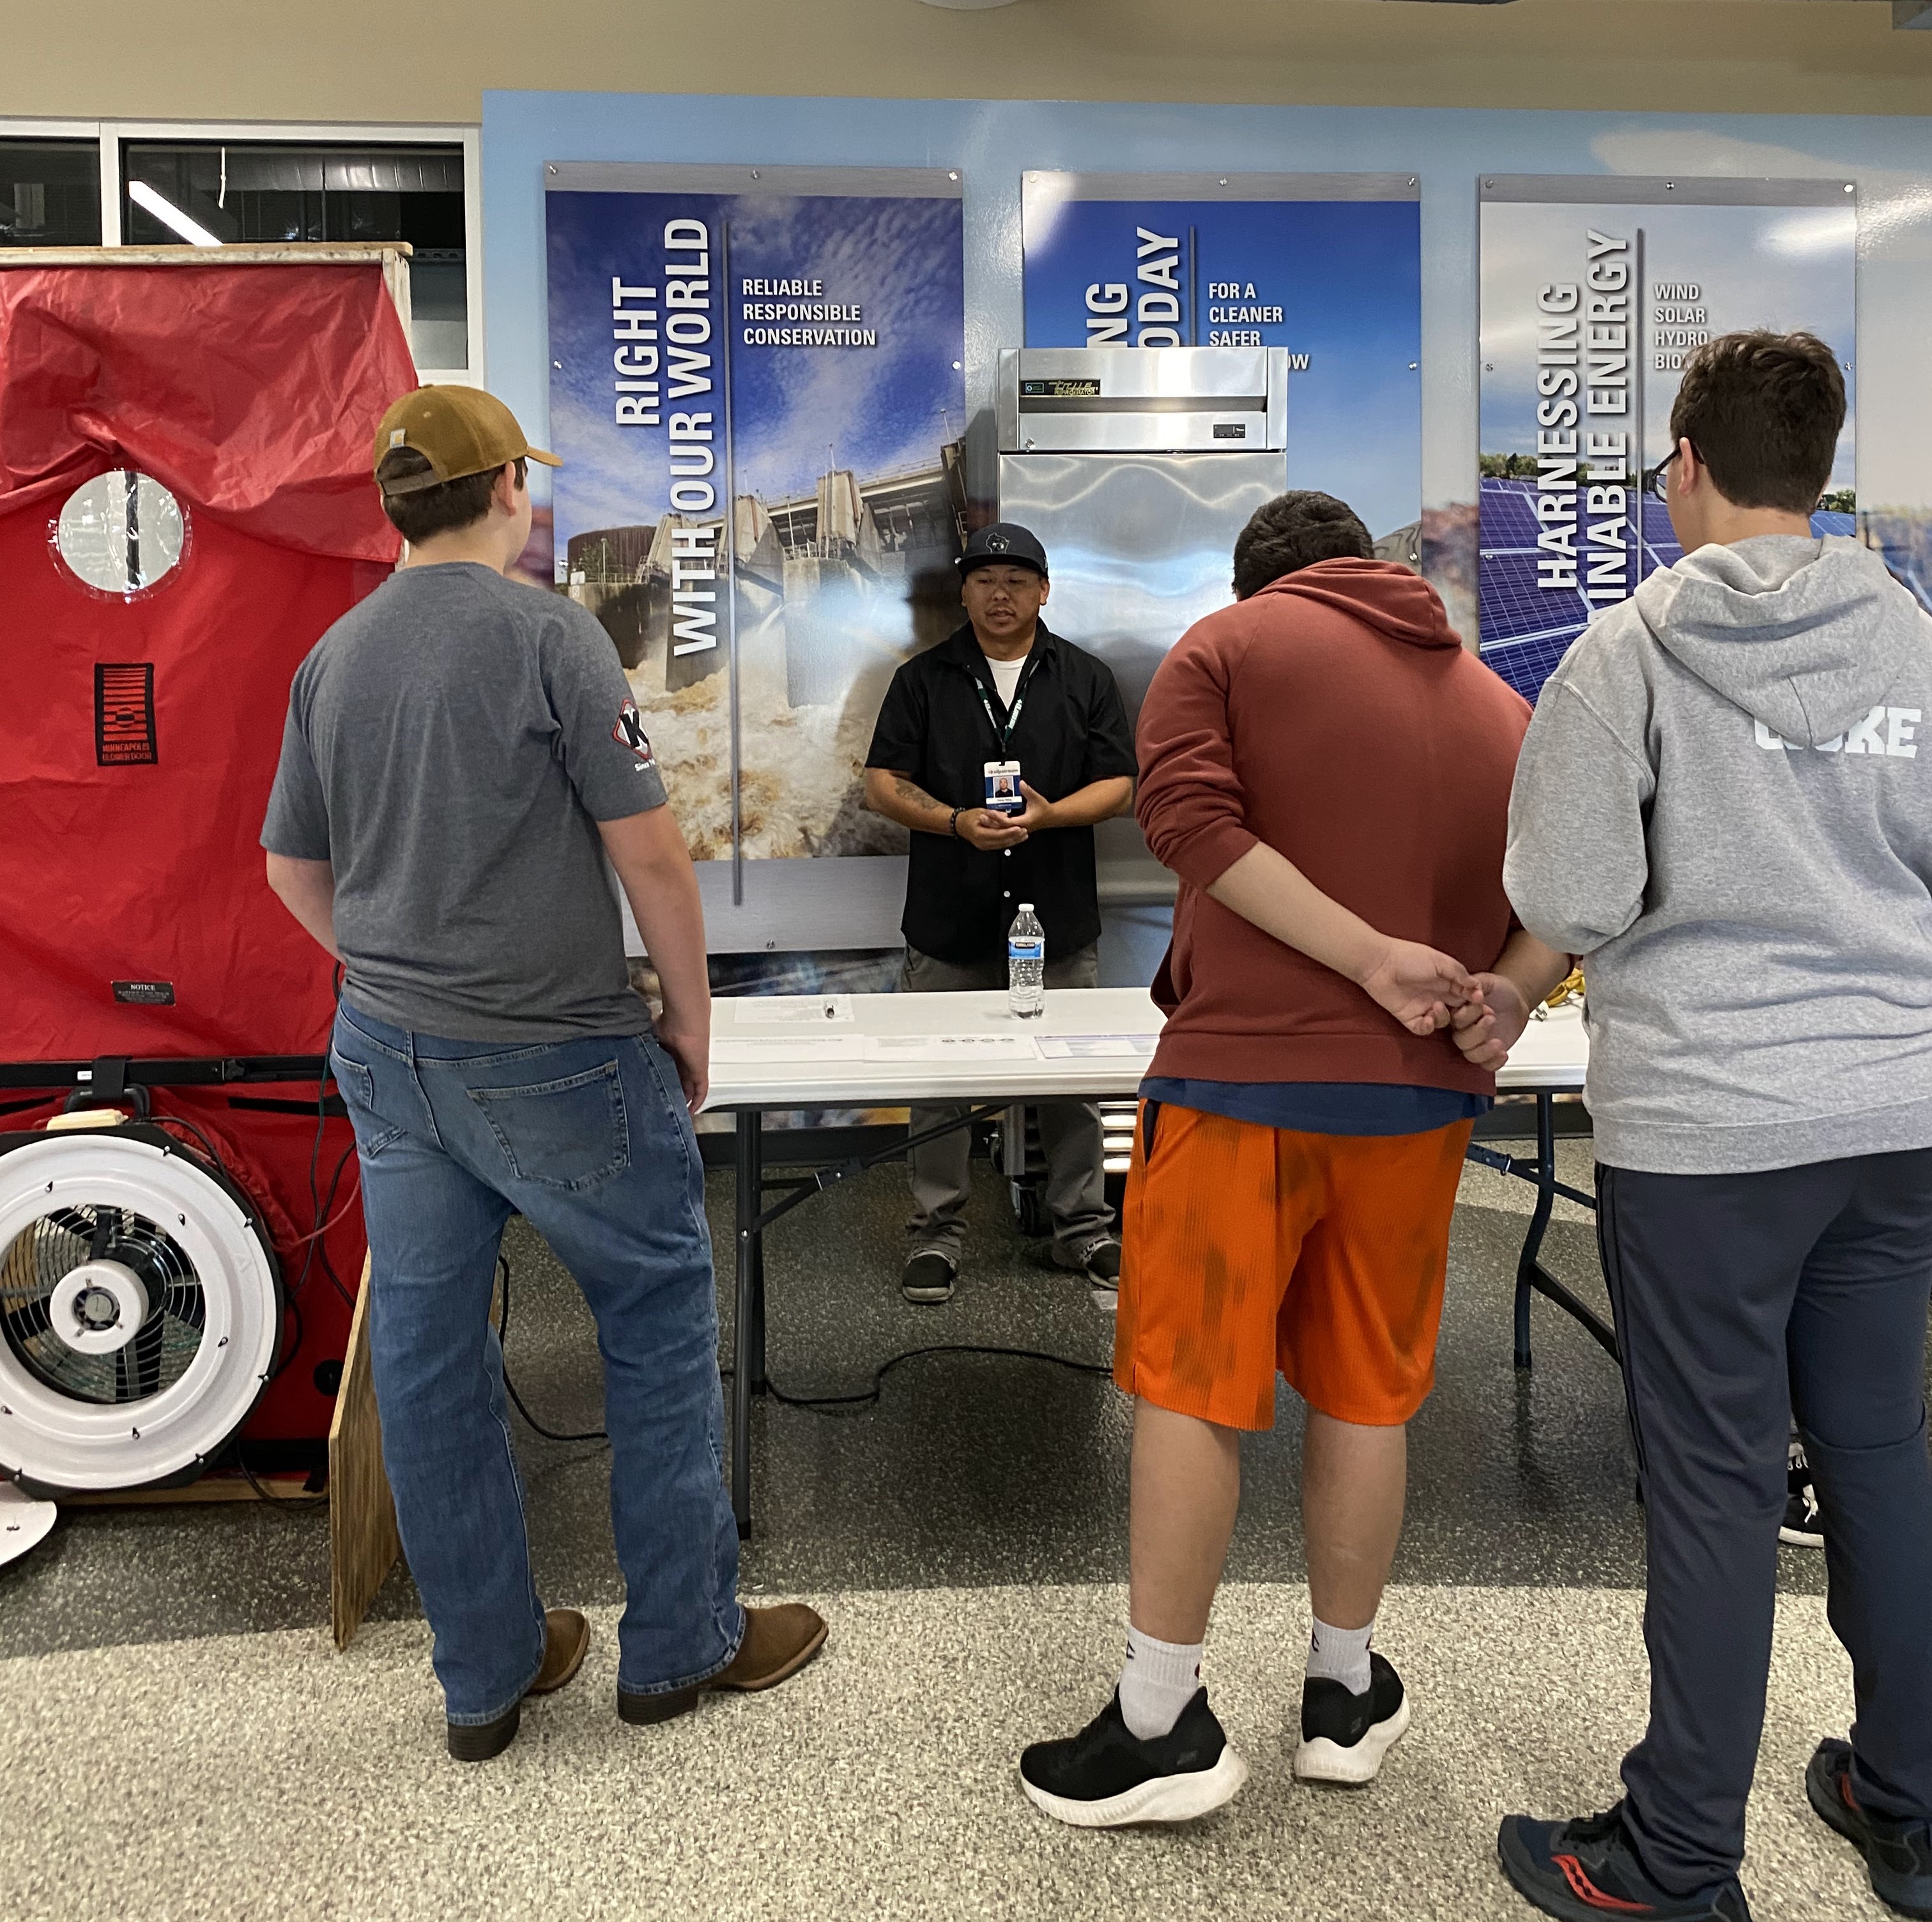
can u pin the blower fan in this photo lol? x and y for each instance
(140, 1308)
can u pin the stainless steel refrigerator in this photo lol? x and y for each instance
(1137, 467)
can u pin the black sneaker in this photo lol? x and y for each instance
(1584, 1870)
(1100, 1262)
(1106, 1776)
(1344, 1737)
(1803, 1526)
(928, 1278)
(1103, 1264)
(1898, 1855)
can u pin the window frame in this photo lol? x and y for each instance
(110, 134)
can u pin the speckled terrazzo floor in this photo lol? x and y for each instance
(265, 1776)
(178, 1738)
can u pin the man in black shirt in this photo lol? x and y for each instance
(1003, 700)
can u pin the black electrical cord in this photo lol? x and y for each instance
(816, 1404)
(502, 1338)
(291, 1298)
(318, 1242)
(287, 1350)
(825, 1405)
(277, 1501)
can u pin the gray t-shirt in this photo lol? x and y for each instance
(452, 742)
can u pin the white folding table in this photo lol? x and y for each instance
(894, 1050)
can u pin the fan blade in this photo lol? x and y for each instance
(23, 1323)
(146, 1350)
(106, 1221)
(187, 1305)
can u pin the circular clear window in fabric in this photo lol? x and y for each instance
(121, 532)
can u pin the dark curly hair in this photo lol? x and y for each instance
(1763, 411)
(1296, 530)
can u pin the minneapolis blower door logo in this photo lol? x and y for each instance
(629, 732)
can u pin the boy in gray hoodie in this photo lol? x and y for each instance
(1722, 807)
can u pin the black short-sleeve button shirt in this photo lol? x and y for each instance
(1072, 731)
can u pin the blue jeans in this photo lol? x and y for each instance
(590, 1142)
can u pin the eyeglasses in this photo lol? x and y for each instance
(1656, 481)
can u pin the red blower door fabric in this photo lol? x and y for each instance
(139, 733)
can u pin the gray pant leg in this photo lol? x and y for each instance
(939, 1173)
(1703, 1271)
(1070, 1137)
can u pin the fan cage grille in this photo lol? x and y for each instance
(48, 1249)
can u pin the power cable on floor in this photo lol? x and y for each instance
(816, 1404)
(503, 1344)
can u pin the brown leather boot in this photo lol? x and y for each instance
(566, 1636)
(778, 1642)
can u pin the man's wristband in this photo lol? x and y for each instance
(952, 826)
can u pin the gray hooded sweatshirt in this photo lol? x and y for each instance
(1722, 806)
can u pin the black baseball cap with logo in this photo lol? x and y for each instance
(1005, 544)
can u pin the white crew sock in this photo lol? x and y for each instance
(1157, 1683)
(1340, 1654)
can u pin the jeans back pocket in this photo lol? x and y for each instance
(570, 1133)
(356, 1082)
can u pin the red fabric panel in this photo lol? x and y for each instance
(250, 393)
(151, 872)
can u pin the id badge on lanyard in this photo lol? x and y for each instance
(1002, 788)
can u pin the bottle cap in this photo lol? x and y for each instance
(1026, 907)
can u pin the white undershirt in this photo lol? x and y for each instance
(1006, 675)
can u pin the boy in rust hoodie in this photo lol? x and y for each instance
(1328, 771)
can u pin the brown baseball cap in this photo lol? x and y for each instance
(459, 430)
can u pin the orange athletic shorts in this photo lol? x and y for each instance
(1247, 1249)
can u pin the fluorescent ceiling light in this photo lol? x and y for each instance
(169, 215)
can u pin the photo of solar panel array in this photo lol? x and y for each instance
(1526, 628)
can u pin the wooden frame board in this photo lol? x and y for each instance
(363, 1543)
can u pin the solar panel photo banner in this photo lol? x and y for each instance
(1594, 291)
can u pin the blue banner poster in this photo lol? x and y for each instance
(1328, 266)
(1593, 293)
(757, 389)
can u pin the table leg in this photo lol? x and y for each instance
(1530, 1271)
(750, 1121)
(757, 1185)
(1539, 1221)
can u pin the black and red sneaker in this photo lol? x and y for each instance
(1897, 1854)
(1586, 1870)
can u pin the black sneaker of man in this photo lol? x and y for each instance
(1583, 1870)
(1344, 1735)
(1098, 1261)
(1898, 1855)
(927, 1279)
(1803, 1526)
(1103, 1264)
(1107, 1777)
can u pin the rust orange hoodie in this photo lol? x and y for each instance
(1336, 716)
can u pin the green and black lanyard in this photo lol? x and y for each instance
(1004, 735)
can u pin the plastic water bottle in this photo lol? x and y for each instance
(1026, 964)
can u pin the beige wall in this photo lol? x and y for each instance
(431, 60)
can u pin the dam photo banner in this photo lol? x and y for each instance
(757, 389)
(1327, 265)
(1594, 291)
